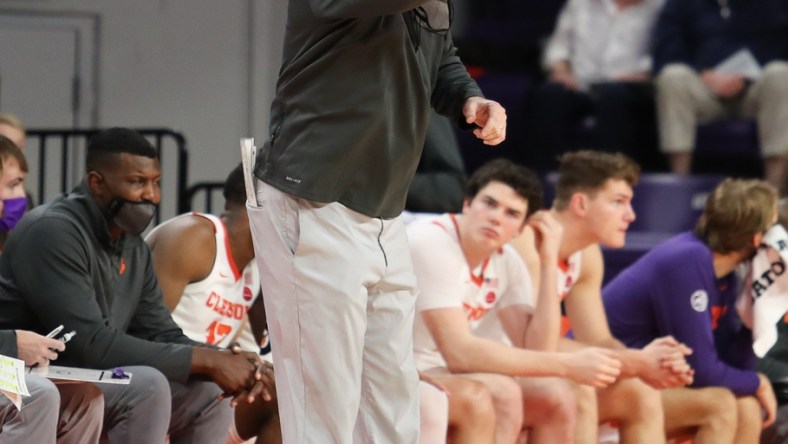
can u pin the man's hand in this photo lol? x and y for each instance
(561, 73)
(35, 349)
(433, 382)
(242, 375)
(723, 85)
(548, 232)
(768, 401)
(597, 367)
(665, 364)
(490, 118)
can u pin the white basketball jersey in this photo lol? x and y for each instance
(213, 309)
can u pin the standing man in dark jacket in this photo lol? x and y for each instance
(80, 262)
(348, 123)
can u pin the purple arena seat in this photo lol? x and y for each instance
(667, 203)
(728, 147)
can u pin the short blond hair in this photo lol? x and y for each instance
(12, 121)
(588, 171)
(735, 211)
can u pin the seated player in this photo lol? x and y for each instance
(686, 287)
(593, 205)
(475, 317)
(210, 282)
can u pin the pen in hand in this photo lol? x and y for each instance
(55, 332)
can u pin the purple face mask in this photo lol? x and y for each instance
(13, 210)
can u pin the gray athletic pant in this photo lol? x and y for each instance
(151, 407)
(67, 413)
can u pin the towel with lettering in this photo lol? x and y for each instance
(763, 302)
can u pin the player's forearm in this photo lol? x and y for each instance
(633, 362)
(544, 329)
(485, 356)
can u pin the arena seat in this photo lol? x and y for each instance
(668, 203)
(729, 147)
(665, 204)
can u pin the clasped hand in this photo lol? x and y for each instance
(243, 375)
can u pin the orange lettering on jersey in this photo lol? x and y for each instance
(716, 313)
(474, 313)
(224, 307)
(216, 332)
(122, 267)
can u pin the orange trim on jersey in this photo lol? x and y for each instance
(478, 280)
(435, 222)
(564, 265)
(230, 260)
(565, 325)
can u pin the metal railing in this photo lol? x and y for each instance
(208, 190)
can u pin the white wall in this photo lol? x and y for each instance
(203, 67)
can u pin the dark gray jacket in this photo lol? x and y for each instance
(353, 101)
(8, 343)
(60, 266)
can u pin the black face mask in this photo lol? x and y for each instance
(131, 217)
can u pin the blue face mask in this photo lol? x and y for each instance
(13, 210)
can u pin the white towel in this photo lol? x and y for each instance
(764, 298)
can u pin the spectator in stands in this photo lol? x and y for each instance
(72, 413)
(79, 262)
(686, 287)
(353, 100)
(593, 205)
(439, 183)
(209, 281)
(476, 314)
(598, 66)
(717, 60)
(12, 127)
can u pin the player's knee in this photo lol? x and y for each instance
(720, 409)
(474, 403)
(557, 401)
(508, 401)
(642, 400)
(748, 413)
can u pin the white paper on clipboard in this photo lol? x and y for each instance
(248, 157)
(12, 380)
(80, 374)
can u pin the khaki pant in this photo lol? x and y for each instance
(339, 294)
(684, 101)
